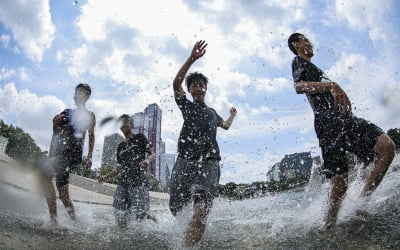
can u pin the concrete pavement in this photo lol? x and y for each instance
(81, 189)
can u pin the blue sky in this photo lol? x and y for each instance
(129, 52)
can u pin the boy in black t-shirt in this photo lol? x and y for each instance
(338, 130)
(66, 149)
(132, 194)
(197, 167)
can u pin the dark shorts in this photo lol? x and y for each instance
(62, 168)
(344, 134)
(131, 201)
(197, 179)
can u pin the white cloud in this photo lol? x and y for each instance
(371, 87)
(24, 74)
(6, 73)
(367, 14)
(273, 85)
(32, 113)
(5, 40)
(241, 168)
(31, 25)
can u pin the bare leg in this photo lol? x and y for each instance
(64, 196)
(339, 188)
(385, 150)
(50, 194)
(152, 217)
(197, 225)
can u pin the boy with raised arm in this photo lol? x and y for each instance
(338, 130)
(196, 172)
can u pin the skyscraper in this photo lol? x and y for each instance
(111, 142)
(141, 124)
(154, 114)
(167, 162)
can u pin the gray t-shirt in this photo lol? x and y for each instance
(198, 137)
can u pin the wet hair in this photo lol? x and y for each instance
(85, 87)
(295, 37)
(194, 77)
(126, 118)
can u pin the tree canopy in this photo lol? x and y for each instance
(21, 146)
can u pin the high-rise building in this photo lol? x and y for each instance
(111, 142)
(167, 162)
(141, 124)
(154, 115)
(147, 123)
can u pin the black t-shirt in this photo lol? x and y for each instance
(198, 137)
(69, 136)
(303, 70)
(129, 155)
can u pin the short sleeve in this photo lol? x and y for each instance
(297, 70)
(182, 103)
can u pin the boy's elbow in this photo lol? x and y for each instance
(298, 88)
(225, 126)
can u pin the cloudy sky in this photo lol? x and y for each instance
(129, 52)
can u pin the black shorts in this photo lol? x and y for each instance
(62, 167)
(340, 134)
(197, 179)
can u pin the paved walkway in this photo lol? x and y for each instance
(81, 189)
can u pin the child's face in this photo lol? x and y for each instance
(126, 127)
(198, 91)
(304, 46)
(80, 97)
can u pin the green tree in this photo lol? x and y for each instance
(154, 184)
(230, 189)
(21, 146)
(106, 170)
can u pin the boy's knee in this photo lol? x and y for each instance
(385, 145)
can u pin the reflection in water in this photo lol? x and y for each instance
(282, 221)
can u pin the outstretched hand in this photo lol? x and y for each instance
(144, 163)
(199, 49)
(233, 111)
(342, 101)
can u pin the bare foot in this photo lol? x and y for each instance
(152, 217)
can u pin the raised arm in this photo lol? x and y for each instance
(228, 122)
(342, 101)
(199, 49)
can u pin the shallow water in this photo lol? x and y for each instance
(291, 220)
